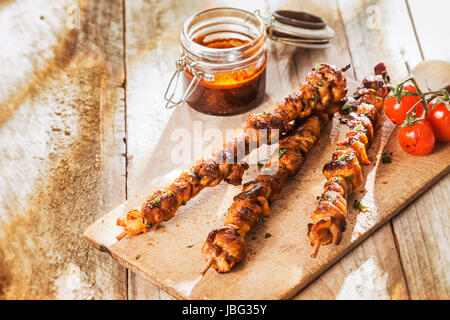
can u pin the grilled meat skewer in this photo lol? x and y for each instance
(344, 172)
(324, 89)
(226, 246)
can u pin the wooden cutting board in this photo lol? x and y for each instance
(277, 267)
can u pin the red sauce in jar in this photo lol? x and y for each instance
(231, 92)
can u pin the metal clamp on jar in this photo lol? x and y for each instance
(223, 63)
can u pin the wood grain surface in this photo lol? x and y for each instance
(62, 130)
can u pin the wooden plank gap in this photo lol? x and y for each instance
(124, 85)
(400, 257)
(125, 139)
(415, 31)
(346, 39)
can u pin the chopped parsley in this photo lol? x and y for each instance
(316, 97)
(358, 205)
(266, 113)
(359, 127)
(282, 151)
(386, 157)
(348, 178)
(190, 246)
(170, 192)
(183, 203)
(342, 158)
(138, 256)
(339, 179)
(318, 66)
(347, 108)
(268, 235)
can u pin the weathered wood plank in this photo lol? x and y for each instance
(370, 271)
(380, 31)
(431, 26)
(422, 230)
(61, 129)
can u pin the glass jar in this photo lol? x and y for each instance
(223, 63)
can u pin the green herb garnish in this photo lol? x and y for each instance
(318, 66)
(183, 203)
(268, 235)
(157, 200)
(282, 151)
(348, 178)
(266, 113)
(386, 157)
(138, 256)
(190, 246)
(358, 205)
(347, 108)
(316, 97)
(359, 127)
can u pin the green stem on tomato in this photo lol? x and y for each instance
(410, 120)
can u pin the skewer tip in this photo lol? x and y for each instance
(121, 236)
(207, 266)
(315, 249)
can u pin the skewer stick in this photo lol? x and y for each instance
(207, 266)
(315, 249)
(121, 236)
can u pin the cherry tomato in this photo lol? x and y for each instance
(417, 139)
(397, 111)
(439, 118)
